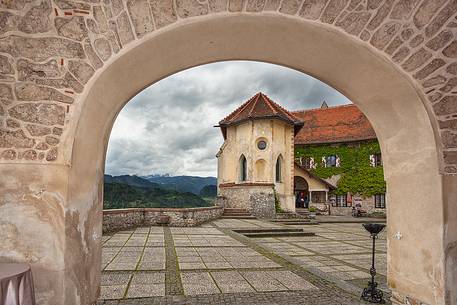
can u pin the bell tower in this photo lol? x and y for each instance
(256, 160)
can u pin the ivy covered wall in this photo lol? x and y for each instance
(357, 176)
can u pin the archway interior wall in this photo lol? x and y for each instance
(387, 97)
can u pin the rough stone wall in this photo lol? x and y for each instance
(116, 220)
(49, 50)
(262, 205)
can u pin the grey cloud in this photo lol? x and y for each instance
(168, 127)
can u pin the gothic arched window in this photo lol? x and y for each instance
(278, 169)
(243, 168)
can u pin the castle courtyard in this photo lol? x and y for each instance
(212, 264)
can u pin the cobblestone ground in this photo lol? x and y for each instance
(212, 264)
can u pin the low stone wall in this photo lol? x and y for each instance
(258, 199)
(122, 219)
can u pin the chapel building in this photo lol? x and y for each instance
(327, 158)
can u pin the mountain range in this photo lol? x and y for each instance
(127, 191)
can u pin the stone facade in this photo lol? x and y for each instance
(70, 66)
(123, 219)
(367, 205)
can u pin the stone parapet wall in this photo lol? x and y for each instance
(122, 219)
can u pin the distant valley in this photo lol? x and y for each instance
(155, 191)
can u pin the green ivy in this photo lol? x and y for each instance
(277, 202)
(357, 176)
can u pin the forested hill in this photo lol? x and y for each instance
(191, 184)
(132, 191)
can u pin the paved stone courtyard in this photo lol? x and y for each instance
(212, 264)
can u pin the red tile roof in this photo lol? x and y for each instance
(259, 106)
(338, 124)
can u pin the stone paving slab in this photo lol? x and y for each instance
(213, 266)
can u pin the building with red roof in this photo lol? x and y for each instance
(302, 155)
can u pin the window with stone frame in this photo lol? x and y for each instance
(243, 168)
(380, 201)
(377, 160)
(306, 162)
(341, 201)
(331, 161)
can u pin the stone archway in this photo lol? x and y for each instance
(382, 56)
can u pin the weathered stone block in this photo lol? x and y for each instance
(416, 60)
(435, 96)
(426, 11)
(9, 154)
(431, 67)
(117, 6)
(407, 33)
(312, 9)
(381, 14)
(440, 19)
(103, 48)
(191, 8)
(236, 5)
(451, 50)
(40, 49)
(255, 5)
(449, 139)
(73, 28)
(81, 70)
(401, 54)
(42, 146)
(447, 105)
(113, 37)
(417, 40)
(52, 154)
(385, 34)
(394, 45)
(290, 6)
(8, 22)
(354, 22)
(10, 122)
(403, 9)
(14, 4)
(57, 131)
(450, 157)
(100, 18)
(218, 5)
(163, 12)
(6, 93)
(5, 65)
(141, 17)
(67, 81)
(28, 70)
(452, 68)
(124, 29)
(332, 10)
(15, 139)
(30, 155)
(448, 124)
(69, 4)
(37, 20)
(437, 80)
(53, 141)
(46, 114)
(451, 84)
(440, 40)
(96, 62)
(32, 92)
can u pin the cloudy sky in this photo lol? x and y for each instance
(168, 127)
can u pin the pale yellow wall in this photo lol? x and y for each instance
(313, 183)
(243, 138)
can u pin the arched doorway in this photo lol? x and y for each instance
(404, 122)
(301, 190)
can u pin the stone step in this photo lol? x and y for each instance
(238, 217)
(236, 214)
(235, 210)
(278, 234)
(300, 223)
(267, 230)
